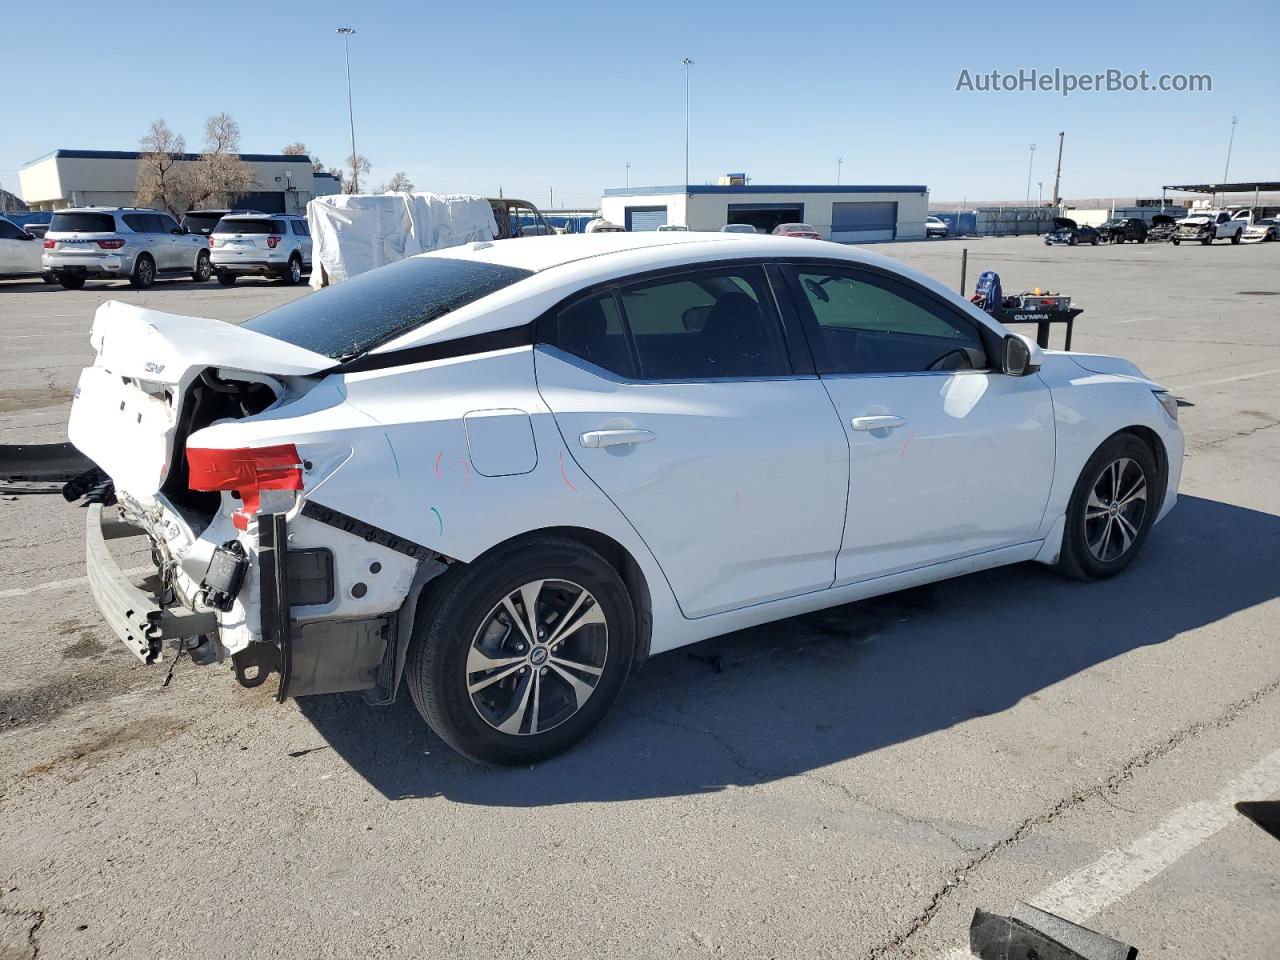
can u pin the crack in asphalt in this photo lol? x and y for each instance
(1111, 785)
(1235, 436)
(33, 932)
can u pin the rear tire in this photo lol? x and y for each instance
(1100, 540)
(203, 269)
(1175, 241)
(293, 272)
(1235, 237)
(1206, 241)
(71, 281)
(226, 279)
(144, 273)
(468, 632)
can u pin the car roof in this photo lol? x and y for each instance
(249, 215)
(111, 210)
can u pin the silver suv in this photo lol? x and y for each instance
(124, 243)
(264, 244)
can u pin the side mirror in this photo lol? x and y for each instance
(178, 231)
(1022, 356)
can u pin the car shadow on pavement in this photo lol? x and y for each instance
(785, 698)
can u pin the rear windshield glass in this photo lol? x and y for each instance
(201, 223)
(84, 222)
(227, 225)
(358, 314)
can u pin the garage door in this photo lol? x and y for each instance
(861, 222)
(646, 218)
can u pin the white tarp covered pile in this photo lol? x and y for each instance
(355, 232)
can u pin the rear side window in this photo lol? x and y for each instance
(227, 225)
(356, 315)
(137, 222)
(10, 232)
(594, 331)
(165, 223)
(713, 323)
(82, 223)
(300, 228)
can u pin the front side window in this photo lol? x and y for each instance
(166, 223)
(866, 323)
(9, 231)
(300, 228)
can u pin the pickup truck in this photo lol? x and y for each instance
(1210, 225)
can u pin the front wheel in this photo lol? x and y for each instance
(203, 269)
(517, 656)
(1094, 241)
(1111, 510)
(1235, 238)
(1205, 241)
(1175, 241)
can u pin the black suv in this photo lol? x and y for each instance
(1120, 229)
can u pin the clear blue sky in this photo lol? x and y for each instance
(532, 96)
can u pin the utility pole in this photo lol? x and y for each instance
(628, 173)
(552, 204)
(1226, 178)
(839, 164)
(687, 64)
(1039, 193)
(347, 33)
(1057, 176)
(1030, 163)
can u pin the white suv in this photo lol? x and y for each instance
(121, 243)
(262, 244)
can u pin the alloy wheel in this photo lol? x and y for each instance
(1116, 510)
(537, 657)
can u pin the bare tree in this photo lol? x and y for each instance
(299, 149)
(162, 179)
(221, 176)
(358, 165)
(397, 184)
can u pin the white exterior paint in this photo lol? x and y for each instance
(710, 211)
(752, 499)
(55, 182)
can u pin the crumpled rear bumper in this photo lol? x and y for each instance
(136, 615)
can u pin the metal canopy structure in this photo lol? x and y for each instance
(1246, 186)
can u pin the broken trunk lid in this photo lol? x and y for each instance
(125, 412)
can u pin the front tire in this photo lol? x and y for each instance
(519, 655)
(1175, 241)
(1235, 237)
(144, 273)
(203, 269)
(1111, 510)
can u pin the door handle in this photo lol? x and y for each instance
(888, 422)
(614, 438)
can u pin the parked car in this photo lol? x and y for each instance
(1162, 228)
(121, 243)
(1065, 230)
(429, 474)
(1207, 226)
(800, 230)
(264, 245)
(1261, 231)
(37, 230)
(1120, 229)
(19, 252)
(935, 227)
(202, 222)
(600, 225)
(518, 218)
(673, 228)
(739, 228)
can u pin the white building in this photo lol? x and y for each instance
(849, 213)
(283, 183)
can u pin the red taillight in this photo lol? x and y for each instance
(246, 470)
(272, 241)
(115, 244)
(211, 243)
(48, 244)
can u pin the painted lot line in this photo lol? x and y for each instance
(1117, 873)
(1214, 383)
(56, 584)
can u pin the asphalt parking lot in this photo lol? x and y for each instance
(851, 783)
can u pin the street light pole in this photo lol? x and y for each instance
(1226, 178)
(1030, 163)
(687, 64)
(351, 117)
(628, 173)
(839, 164)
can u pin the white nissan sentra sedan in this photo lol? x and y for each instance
(507, 473)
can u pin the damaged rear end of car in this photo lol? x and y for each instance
(249, 567)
